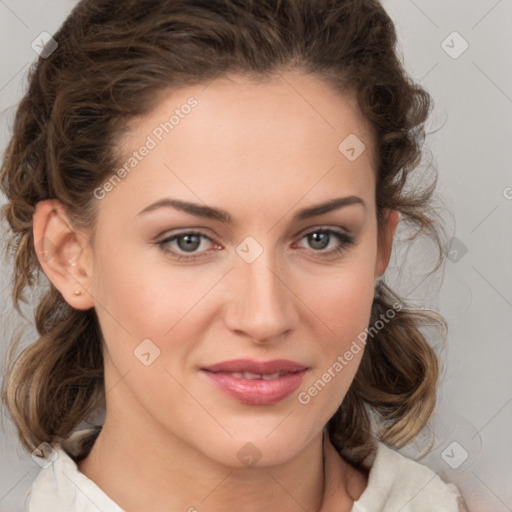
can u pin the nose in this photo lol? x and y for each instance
(261, 304)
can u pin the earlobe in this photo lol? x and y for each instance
(386, 241)
(60, 249)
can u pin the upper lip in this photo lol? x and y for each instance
(257, 367)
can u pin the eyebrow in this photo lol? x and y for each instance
(221, 215)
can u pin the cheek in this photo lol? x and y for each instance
(347, 300)
(342, 297)
(136, 297)
(125, 301)
(138, 301)
(338, 357)
(345, 310)
(343, 301)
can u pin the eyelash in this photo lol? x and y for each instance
(344, 239)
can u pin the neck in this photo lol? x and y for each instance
(161, 472)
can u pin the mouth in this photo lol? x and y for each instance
(254, 376)
(256, 383)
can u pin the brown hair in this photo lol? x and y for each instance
(113, 60)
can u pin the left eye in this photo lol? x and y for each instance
(320, 239)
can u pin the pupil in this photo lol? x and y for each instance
(319, 240)
(188, 242)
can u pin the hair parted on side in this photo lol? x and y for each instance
(112, 61)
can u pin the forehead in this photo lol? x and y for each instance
(274, 139)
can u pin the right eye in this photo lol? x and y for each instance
(179, 244)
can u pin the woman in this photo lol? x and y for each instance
(212, 190)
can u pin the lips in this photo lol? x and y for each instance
(256, 382)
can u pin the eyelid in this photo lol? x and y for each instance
(170, 233)
(323, 227)
(191, 231)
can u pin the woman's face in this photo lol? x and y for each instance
(271, 272)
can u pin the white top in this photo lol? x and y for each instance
(395, 484)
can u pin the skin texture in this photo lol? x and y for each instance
(262, 151)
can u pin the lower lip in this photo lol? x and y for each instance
(256, 391)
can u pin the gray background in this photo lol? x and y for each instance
(471, 148)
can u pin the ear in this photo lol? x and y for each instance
(63, 252)
(386, 241)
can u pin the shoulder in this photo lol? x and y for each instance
(398, 483)
(61, 487)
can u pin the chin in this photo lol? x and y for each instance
(256, 448)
